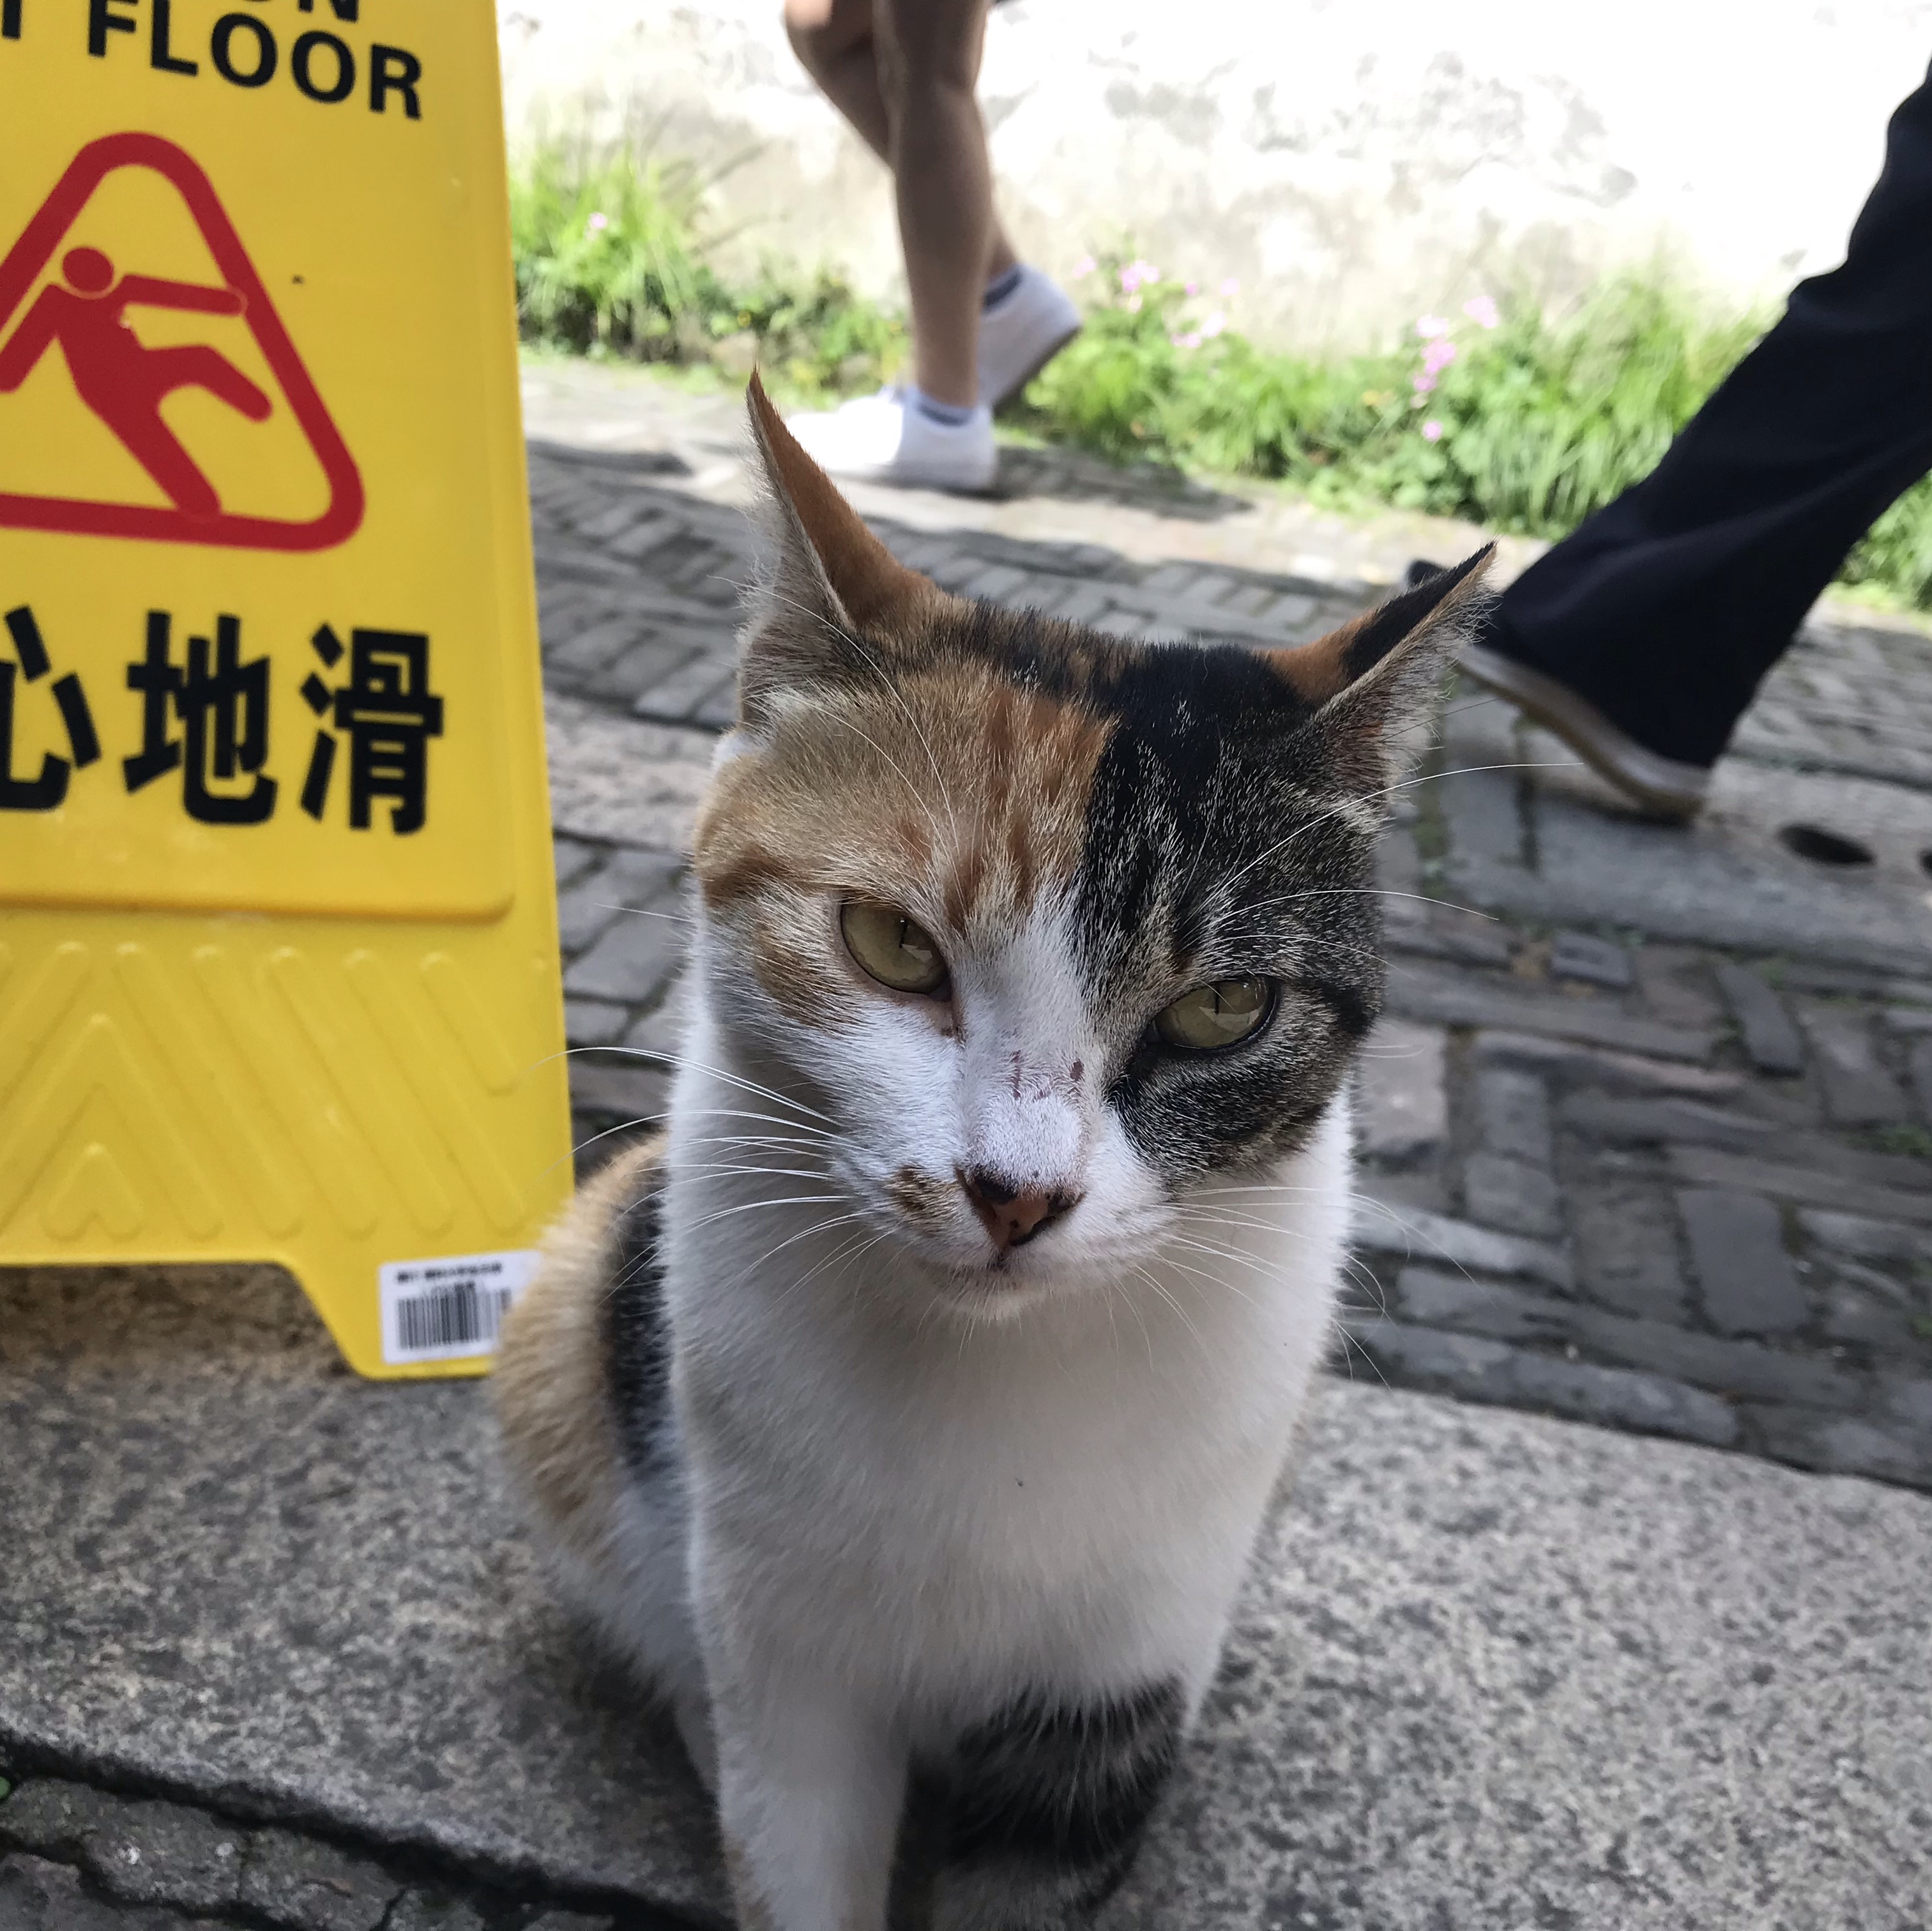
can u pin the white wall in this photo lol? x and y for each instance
(1354, 162)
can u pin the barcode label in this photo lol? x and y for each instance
(450, 1308)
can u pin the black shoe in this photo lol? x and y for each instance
(1660, 785)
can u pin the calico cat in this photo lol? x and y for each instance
(908, 1410)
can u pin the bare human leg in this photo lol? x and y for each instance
(834, 41)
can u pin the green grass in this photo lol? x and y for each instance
(1527, 426)
(612, 260)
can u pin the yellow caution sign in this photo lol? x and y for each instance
(278, 966)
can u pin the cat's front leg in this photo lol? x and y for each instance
(810, 1789)
(1049, 1799)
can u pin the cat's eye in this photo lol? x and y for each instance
(894, 949)
(1223, 1014)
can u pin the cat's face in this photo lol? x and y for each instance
(1057, 930)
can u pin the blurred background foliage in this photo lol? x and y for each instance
(1501, 415)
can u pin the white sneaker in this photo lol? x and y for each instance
(1019, 335)
(883, 439)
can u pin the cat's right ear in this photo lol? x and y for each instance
(828, 577)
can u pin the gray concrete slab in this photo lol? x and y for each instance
(1493, 1670)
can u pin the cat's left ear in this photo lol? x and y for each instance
(827, 575)
(1376, 680)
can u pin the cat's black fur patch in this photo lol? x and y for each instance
(1062, 1790)
(636, 1332)
(1211, 831)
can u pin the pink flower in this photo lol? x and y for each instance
(1192, 340)
(1214, 324)
(1438, 355)
(1430, 326)
(598, 222)
(1084, 267)
(1431, 431)
(1481, 310)
(1422, 385)
(1191, 288)
(1231, 287)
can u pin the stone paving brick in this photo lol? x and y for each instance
(1770, 1038)
(1844, 1445)
(645, 665)
(596, 893)
(1402, 1097)
(1920, 1063)
(675, 696)
(604, 1090)
(1858, 1090)
(646, 536)
(660, 1033)
(304, 1884)
(593, 647)
(1492, 1371)
(572, 857)
(1870, 1240)
(594, 1022)
(1851, 1314)
(156, 1853)
(1675, 984)
(1659, 1122)
(1626, 1234)
(1711, 1166)
(1484, 818)
(632, 959)
(1512, 1111)
(718, 709)
(139, 1850)
(421, 1911)
(1633, 1073)
(1580, 955)
(1383, 1226)
(1433, 1298)
(1737, 1249)
(1420, 993)
(53, 1818)
(1498, 1191)
(36, 1895)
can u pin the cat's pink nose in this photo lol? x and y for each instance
(1012, 1215)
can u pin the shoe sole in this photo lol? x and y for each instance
(1000, 401)
(896, 479)
(1661, 785)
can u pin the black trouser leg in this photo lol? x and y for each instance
(1666, 608)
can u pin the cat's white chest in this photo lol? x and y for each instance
(1070, 1496)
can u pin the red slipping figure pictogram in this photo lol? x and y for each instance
(119, 377)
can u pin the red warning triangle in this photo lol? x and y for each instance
(123, 384)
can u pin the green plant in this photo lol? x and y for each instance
(1501, 417)
(1499, 414)
(612, 258)
(1912, 1140)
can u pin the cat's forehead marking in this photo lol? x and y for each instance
(952, 790)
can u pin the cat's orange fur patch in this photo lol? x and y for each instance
(955, 794)
(549, 1385)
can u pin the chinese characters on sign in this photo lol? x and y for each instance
(207, 716)
(45, 790)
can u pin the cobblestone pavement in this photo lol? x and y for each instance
(1645, 1130)
(76, 1858)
